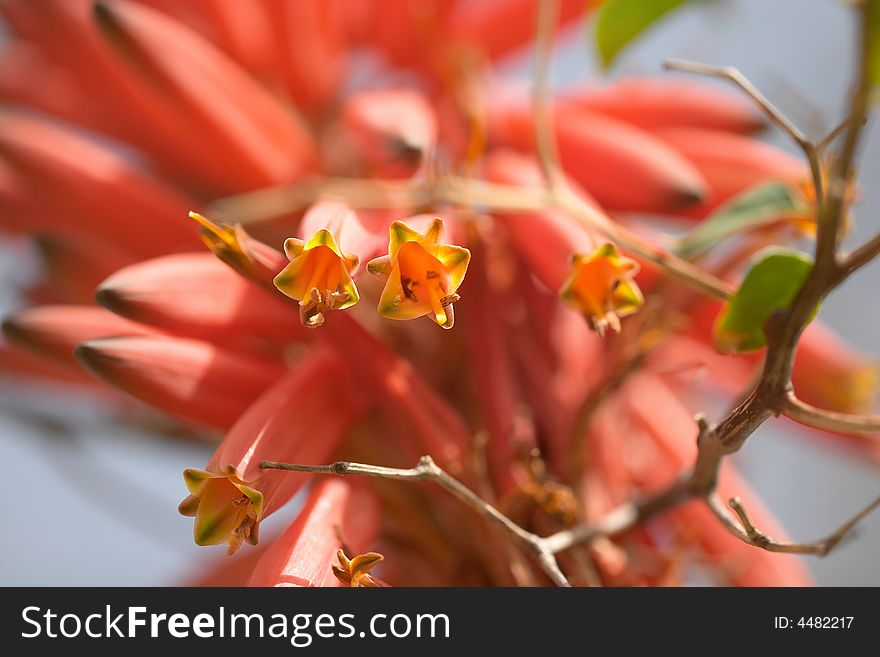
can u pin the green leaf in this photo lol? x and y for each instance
(771, 284)
(754, 208)
(621, 21)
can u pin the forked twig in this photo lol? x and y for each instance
(734, 75)
(747, 532)
(427, 470)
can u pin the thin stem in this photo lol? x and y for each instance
(571, 204)
(734, 75)
(271, 202)
(427, 470)
(830, 420)
(828, 139)
(545, 136)
(746, 531)
(859, 258)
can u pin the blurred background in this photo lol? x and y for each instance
(94, 501)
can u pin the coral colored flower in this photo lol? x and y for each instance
(318, 276)
(601, 287)
(196, 295)
(422, 275)
(189, 379)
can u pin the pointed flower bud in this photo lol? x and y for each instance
(422, 274)
(601, 287)
(191, 380)
(318, 276)
(246, 255)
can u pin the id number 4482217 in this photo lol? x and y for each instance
(813, 622)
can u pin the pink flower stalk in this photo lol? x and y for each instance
(129, 114)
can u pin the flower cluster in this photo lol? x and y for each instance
(332, 124)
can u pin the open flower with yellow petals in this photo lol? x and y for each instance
(318, 276)
(422, 274)
(601, 287)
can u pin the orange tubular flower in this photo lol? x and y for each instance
(601, 287)
(422, 275)
(302, 418)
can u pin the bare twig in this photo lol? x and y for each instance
(828, 139)
(734, 75)
(747, 532)
(801, 411)
(427, 470)
(858, 258)
(271, 202)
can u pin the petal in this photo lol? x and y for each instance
(454, 258)
(380, 267)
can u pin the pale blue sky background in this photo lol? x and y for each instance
(99, 507)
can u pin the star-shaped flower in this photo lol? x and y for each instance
(601, 287)
(318, 276)
(355, 572)
(226, 508)
(422, 274)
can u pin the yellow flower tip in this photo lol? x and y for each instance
(215, 236)
(230, 244)
(355, 572)
(318, 276)
(600, 286)
(422, 275)
(226, 509)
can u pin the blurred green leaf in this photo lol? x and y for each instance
(756, 207)
(621, 21)
(771, 284)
